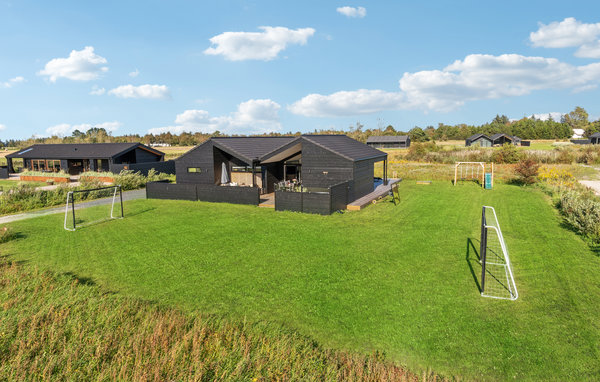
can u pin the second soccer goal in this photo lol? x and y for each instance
(86, 207)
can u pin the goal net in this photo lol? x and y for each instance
(86, 207)
(473, 171)
(497, 280)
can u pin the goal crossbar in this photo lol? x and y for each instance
(472, 166)
(495, 264)
(71, 201)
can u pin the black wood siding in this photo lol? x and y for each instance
(162, 190)
(202, 157)
(203, 192)
(322, 168)
(167, 167)
(363, 179)
(143, 156)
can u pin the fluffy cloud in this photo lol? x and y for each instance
(252, 116)
(11, 82)
(81, 65)
(135, 73)
(477, 77)
(569, 33)
(362, 101)
(2, 127)
(556, 116)
(359, 12)
(142, 91)
(265, 45)
(65, 129)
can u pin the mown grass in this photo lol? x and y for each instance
(8, 184)
(400, 280)
(59, 327)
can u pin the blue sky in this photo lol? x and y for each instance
(255, 66)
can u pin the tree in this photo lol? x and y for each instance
(577, 119)
(417, 134)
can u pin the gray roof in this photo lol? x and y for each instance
(78, 150)
(345, 147)
(595, 135)
(477, 136)
(387, 138)
(250, 148)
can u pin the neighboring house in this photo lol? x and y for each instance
(501, 138)
(595, 138)
(313, 161)
(578, 133)
(479, 140)
(80, 157)
(389, 141)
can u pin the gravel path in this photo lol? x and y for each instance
(593, 184)
(127, 195)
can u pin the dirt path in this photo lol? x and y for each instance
(593, 184)
(127, 195)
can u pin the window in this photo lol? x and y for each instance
(257, 169)
(194, 170)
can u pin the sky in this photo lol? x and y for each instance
(244, 67)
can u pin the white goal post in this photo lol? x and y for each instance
(497, 280)
(97, 194)
(472, 170)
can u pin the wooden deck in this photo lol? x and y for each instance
(267, 200)
(379, 192)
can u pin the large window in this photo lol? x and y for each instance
(257, 169)
(49, 165)
(195, 170)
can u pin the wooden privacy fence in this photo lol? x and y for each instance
(335, 198)
(203, 192)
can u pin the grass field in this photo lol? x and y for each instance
(402, 280)
(8, 184)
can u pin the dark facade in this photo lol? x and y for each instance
(389, 141)
(501, 139)
(317, 162)
(595, 138)
(77, 158)
(481, 140)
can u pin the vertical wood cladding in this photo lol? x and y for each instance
(200, 157)
(143, 156)
(363, 179)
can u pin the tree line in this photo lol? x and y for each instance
(525, 128)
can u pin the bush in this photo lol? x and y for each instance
(508, 153)
(418, 151)
(565, 156)
(527, 171)
(582, 212)
(60, 174)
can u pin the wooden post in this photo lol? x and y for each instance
(455, 173)
(492, 174)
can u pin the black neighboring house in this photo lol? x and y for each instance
(314, 161)
(80, 157)
(389, 141)
(479, 140)
(501, 138)
(595, 138)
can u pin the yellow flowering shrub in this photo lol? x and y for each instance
(556, 176)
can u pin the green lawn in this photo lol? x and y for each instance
(402, 280)
(8, 184)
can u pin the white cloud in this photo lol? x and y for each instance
(142, 91)
(362, 101)
(252, 116)
(135, 73)
(569, 33)
(556, 116)
(97, 90)
(11, 82)
(265, 45)
(477, 77)
(81, 65)
(359, 12)
(65, 129)
(2, 127)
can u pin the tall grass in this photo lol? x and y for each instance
(59, 327)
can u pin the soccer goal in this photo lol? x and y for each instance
(474, 171)
(86, 207)
(497, 280)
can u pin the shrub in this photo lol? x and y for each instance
(60, 174)
(565, 156)
(582, 212)
(527, 171)
(506, 154)
(96, 174)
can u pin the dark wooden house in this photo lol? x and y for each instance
(316, 162)
(595, 138)
(481, 140)
(80, 157)
(501, 138)
(389, 141)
